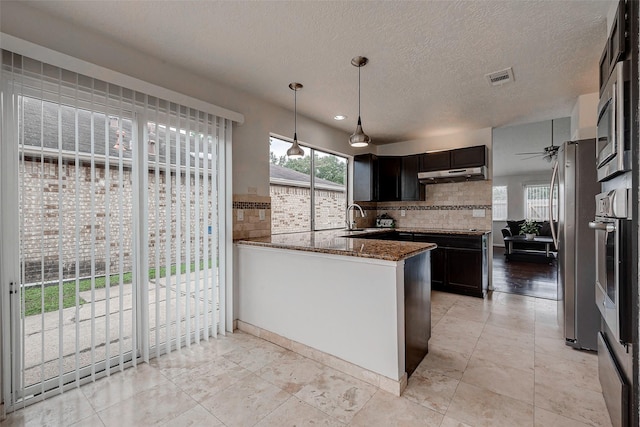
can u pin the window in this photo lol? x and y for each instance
(536, 202)
(500, 203)
(301, 200)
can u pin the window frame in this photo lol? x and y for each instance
(506, 202)
(312, 150)
(525, 199)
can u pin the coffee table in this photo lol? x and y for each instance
(544, 242)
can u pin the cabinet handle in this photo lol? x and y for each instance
(608, 227)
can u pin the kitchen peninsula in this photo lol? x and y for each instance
(335, 297)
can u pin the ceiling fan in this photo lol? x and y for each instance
(549, 153)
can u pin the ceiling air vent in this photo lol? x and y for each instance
(500, 77)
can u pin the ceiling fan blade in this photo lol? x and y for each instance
(532, 157)
(524, 154)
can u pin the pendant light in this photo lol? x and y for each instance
(295, 151)
(359, 138)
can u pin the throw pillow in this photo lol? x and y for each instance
(545, 230)
(514, 226)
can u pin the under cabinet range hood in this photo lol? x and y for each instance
(453, 175)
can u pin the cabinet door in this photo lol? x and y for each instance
(365, 178)
(389, 178)
(436, 161)
(468, 157)
(438, 264)
(464, 270)
(409, 185)
(616, 43)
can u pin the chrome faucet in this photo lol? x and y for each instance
(351, 224)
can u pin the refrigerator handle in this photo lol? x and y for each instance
(554, 176)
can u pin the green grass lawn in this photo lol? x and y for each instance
(38, 299)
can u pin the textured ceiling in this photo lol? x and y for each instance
(427, 59)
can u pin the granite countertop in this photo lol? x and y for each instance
(472, 232)
(336, 242)
(379, 230)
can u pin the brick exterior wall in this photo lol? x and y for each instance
(51, 219)
(291, 209)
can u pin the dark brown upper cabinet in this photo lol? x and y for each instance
(389, 170)
(467, 157)
(386, 178)
(616, 46)
(435, 161)
(410, 188)
(365, 178)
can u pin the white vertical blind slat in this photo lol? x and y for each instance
(60, 253)
(197, 230)
(42, 241)
(93, 239)
(121, 249)
(168, 237)
(224, 263)
(187, 232)
(107, 248)
(205, 236)
(178, 260)
(77, 236)
(156, 207)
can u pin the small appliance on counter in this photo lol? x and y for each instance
(385, 221)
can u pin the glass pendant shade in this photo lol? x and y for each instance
(295, 151)
(359, 138)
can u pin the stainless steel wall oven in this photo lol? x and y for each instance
(613, 231)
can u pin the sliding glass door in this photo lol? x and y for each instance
(110, 228)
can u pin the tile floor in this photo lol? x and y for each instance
(494, 362)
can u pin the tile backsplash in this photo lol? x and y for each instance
(447, 207)
(247, 222)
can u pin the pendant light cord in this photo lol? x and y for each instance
(295, 112)
(359, 92)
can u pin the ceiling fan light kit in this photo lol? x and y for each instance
(295, 151)
(359, 138)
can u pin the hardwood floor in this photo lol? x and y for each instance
(534, 279)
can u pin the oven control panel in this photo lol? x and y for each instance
(613, 204)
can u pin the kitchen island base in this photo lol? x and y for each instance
(351, 308)
(391, 386)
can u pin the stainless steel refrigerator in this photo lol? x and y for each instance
(575, 174)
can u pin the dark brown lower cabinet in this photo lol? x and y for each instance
(417, 310)
(464, 271)
(438, 263)
(459, 264)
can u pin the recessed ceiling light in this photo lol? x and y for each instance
(339, 117)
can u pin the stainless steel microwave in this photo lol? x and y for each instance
(613, 154)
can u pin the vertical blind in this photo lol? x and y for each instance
(113, 239)
(500, 203)
(536, 202)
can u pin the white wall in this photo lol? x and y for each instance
(584, 117)
(250, 140)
